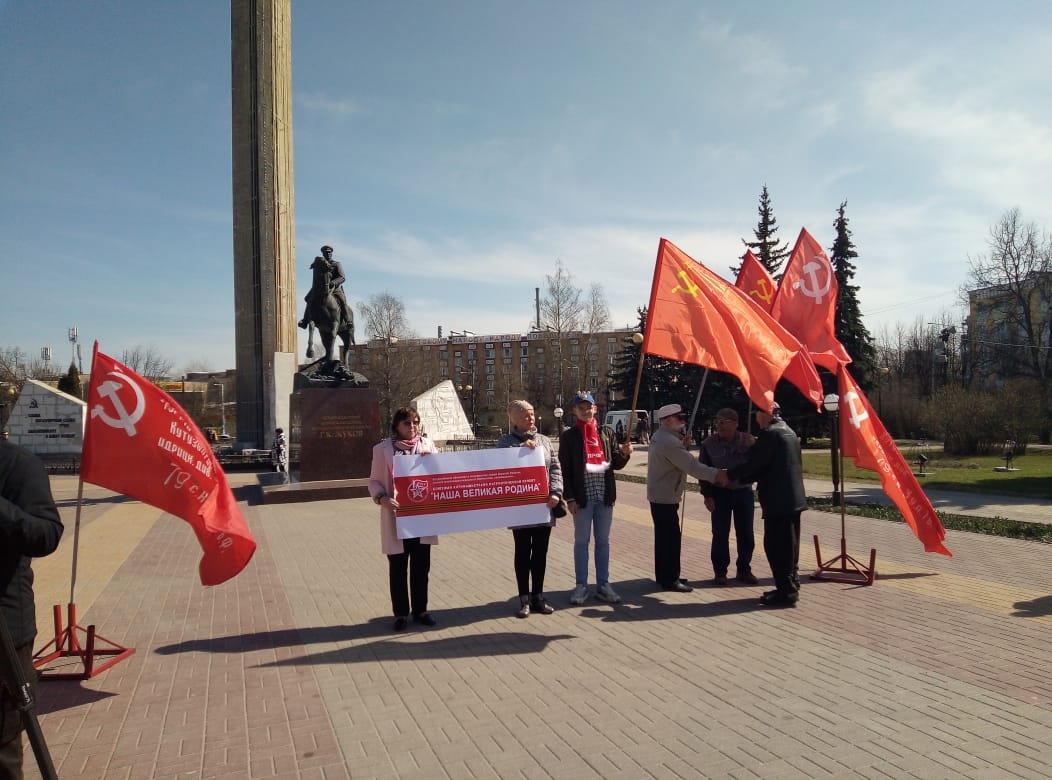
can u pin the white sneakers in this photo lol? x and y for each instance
(580, 595)
(604, 593)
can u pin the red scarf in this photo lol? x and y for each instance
(593, 445)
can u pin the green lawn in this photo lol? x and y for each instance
(1033, 479)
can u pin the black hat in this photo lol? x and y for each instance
(326, 247)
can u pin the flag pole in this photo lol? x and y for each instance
(637, 338)
(66, 643)
(690, 432)
(843, 567)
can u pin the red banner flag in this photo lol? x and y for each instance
(806, 302)
(140, 442)
(754, 280)
(698, 317)
(864, 438)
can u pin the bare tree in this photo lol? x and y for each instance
(147, 361)
(385, 318)
(561, 307)
(597, 313)
(1011, 288)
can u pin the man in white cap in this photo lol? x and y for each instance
(668, 465)
(774, 463)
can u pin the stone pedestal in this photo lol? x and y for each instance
(337, 428)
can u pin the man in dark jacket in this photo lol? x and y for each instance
(773, 462)
(30, 527)
(588, 456)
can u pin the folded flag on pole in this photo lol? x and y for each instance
(864, 438)
(754, 280)
(806, 302)
(140, 442)
(698, 317)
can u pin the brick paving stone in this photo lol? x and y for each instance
(291, 670)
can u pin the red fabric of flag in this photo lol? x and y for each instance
(140, 442)
(864, 438)
(755, 282)
(698, 317)
(806, 302)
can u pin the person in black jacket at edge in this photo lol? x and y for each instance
(30, 527)
(773, 462)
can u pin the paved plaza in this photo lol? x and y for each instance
(939, 670)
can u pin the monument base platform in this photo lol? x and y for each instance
(322, 490)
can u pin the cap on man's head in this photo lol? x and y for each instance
(326, 248)
(668, 410)
(582, 397)
(727, 414)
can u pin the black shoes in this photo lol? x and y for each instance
(679, 586)
(424, 619)
(524, 607)
(541, 606)
(747, 578)
(400, 624)
(778, 598)
(720, 581)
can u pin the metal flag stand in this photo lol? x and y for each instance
(844, 568)
(67, 641)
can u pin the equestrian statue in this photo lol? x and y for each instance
(328, 313)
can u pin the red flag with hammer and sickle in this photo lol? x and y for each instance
(698, 317)
(756, 282)
(806, 302)
(864, 438)
(138, 441)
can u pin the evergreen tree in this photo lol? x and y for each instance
(769, 249)
(850, 329)
(70, 383)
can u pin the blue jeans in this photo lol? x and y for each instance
(596, 514)
(738, 503)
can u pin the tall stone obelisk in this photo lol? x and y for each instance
(264, 235)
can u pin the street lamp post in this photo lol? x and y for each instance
(831, 403)
(222, 405)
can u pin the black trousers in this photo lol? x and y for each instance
(781, 542)
(11, 721)
(416, 561)
(531, 558)
(668, 540)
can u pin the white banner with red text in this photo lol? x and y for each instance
(448, 492)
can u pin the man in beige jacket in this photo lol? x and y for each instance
(668, 465)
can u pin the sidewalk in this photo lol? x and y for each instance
(976, 504)
(939, 670)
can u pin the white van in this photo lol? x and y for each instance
(629, 422)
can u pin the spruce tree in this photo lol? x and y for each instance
(70, 383)
(769, 249)
(850, 330)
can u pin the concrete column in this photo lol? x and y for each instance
(264, 214)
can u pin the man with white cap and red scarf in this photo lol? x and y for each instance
(589, 455)
(668, 464)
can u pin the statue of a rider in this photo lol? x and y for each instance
(336, 280)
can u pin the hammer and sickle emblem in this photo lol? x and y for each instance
(762, 292)
(109, 389)
(816, 289)
(858, 412)
(686, 285)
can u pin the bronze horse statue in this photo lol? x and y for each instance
(324, 314)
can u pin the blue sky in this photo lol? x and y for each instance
(453, 151)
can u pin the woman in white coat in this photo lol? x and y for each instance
(412, 556)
